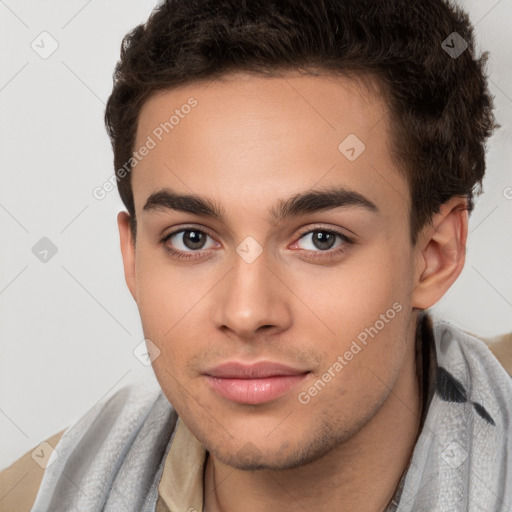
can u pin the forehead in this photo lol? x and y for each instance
(247, 141)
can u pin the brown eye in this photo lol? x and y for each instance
(321, 244)
(323, 240)
(186, 242)
(193, 239)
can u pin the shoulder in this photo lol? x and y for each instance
(494, 352)
(19, 483)
(474, 374)
(501, 347)
(112, 422)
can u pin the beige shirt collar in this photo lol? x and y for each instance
(181, 487)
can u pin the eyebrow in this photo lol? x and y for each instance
(300, 204)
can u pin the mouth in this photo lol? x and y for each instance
(253, 383)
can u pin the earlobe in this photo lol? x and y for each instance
(441, 253)
(127, 251)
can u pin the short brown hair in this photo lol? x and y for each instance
(441, 112)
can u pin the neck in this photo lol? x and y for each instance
(359, 475)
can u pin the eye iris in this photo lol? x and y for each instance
(323, 239)
(195, 240)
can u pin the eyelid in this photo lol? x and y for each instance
(301, 233)
(336, 230)
(181, 229)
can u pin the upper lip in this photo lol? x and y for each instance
(260, 370)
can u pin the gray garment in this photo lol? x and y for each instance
(462, 460)
(112, 459)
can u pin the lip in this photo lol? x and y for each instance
(253, 383)
(259, 370)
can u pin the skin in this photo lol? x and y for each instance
(249, 143)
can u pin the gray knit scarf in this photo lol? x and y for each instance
(112, 459)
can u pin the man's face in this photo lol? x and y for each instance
(256, 288)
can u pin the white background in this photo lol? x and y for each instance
(68, 327)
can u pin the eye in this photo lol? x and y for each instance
(322, 241)
(185, 240)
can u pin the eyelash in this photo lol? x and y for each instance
(328, 255)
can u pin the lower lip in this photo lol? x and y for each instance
(254, 391)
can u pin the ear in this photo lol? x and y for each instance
(440, 253)
(127, 251)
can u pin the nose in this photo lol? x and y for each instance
(252, 298)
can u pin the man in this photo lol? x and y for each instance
(298, 177)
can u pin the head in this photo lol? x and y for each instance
(329, 151)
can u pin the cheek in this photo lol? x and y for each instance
(166, 292)
(361, 310)
(355, 293)
(167, 299)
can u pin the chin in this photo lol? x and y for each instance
(287, 456)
